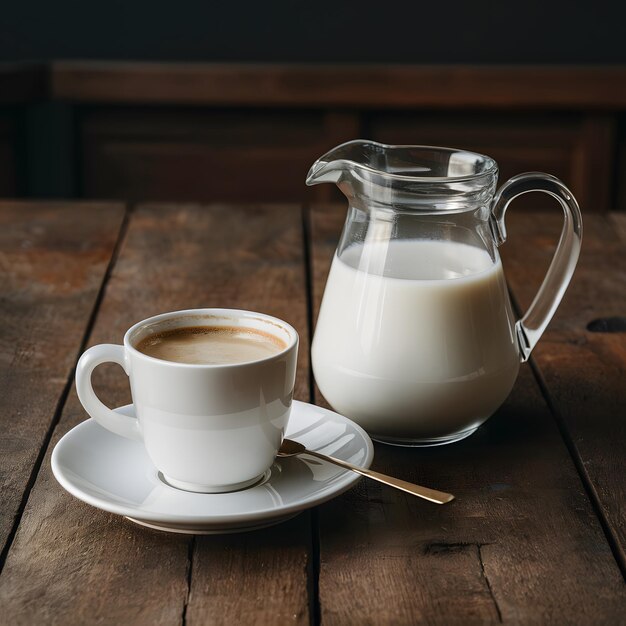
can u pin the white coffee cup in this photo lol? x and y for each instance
(206, 428)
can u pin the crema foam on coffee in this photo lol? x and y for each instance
(211, 345)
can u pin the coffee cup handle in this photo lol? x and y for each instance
(117, 423)
(530, 328)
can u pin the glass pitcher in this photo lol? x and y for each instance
(416, 340)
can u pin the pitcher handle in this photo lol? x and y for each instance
(530, 328)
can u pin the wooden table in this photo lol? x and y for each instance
(537, 534)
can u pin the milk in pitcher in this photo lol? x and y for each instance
(415, 338)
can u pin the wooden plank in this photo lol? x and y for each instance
(252, 578)
(521, 544)
(53, 258)
(359, 86)
(594, 162)
(619, 222)
(73, 564)
(601, 87)
(584, 372)
(257, 577)
(190, 154)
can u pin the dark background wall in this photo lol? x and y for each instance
(539, 85)
(453, 31)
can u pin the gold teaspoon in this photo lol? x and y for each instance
(293, 448)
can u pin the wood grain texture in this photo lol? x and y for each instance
(53, 258)
(618, 220)
(362, 86)
(252, 578)
(74, 564)
(521, 544)
(584, 372)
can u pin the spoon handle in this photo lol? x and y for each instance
(432, 495)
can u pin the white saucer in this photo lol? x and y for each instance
(115, 474)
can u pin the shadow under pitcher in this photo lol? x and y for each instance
(416, 339)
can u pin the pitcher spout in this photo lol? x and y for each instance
(322, 172)
(331, 167)
(415, 178)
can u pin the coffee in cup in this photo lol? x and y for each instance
(212, 391)
(211, 345)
